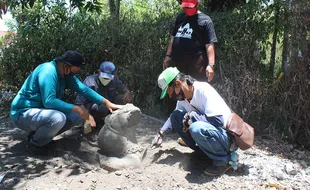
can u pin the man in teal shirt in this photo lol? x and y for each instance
(38, 107)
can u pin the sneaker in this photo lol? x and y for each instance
(217, 170)
(181, 142)
(40, 150)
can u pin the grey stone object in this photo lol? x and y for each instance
(117, 139)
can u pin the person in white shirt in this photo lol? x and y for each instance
(199, 118)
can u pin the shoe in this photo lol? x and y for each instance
(40, 150)
(217, 170)
(181, 142)
(30, 134)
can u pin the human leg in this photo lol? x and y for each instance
(45, 123)
(197, 68)
(99, 112)
(73, 119)
(214, 142)
(176, 118)
(194, 66)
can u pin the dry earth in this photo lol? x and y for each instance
(270, 164)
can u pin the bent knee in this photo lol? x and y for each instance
(196, 128)
(177, 114)
(58, 119)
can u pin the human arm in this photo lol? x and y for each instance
(158, 139)
(193, 116)
(122, 89)
(51, 89)
(210, 51)
(210, 39)
(167, 59)
(127, 96)
(111, 106)
(84, 90)
(90, 94)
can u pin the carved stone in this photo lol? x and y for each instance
(117, 139)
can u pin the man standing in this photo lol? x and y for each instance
(107, 84)
(191, 47)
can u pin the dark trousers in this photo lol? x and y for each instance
(204, 137)
(99, 112)
(194, 66)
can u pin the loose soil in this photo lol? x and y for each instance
(270, 164)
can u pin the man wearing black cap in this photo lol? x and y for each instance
(38, 107)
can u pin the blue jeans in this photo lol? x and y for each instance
(45, 123)
(202, 136)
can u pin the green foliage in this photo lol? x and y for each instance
(137, 43)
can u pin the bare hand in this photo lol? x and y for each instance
(83, 112)
(111, 106)
(127, 97)
(92, 121)
(166, 62)
(209, 73)
(156, 142)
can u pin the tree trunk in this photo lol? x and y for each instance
(274, 40)
(285, 52)
(114, 6)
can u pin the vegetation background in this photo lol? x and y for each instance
(262, 57)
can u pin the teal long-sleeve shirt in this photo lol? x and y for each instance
(44, 89)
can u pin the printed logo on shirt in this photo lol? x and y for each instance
(185, 32)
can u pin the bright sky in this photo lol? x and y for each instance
(7, 16)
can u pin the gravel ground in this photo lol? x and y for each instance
(270, 164)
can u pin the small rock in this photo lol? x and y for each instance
(58, 167)
(118, 187)
(289, 168)
(5, 139)
(74, 166)
(304, 164)
(118, 172)
(96, 169)
(10, 181)
(301, 155)
(279, 176)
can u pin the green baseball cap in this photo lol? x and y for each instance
(165, 78)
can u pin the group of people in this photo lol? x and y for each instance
(200, 115)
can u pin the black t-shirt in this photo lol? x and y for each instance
(191, 34)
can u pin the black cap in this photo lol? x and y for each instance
(73, 58)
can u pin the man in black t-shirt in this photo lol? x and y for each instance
(191, 47)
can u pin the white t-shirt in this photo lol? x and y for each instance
(207, 101)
